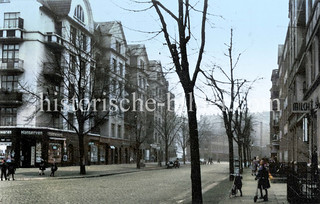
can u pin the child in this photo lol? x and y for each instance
(238, 182)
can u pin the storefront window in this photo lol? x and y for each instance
(94, 153)
(54, 153)
(102, 153)
(6, 151)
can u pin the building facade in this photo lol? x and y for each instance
(299, 78)
(52, 52)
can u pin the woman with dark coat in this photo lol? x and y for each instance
(263, 176)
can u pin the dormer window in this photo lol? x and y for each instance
(79, 14)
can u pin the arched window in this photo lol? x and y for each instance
(78, 13)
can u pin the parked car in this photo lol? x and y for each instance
(203, 161)
(170, 164)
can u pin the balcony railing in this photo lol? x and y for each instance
(52, 70)
(10, 97)
(12, 34)
(12, 65)
(54, 40)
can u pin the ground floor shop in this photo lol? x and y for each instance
(28, 146)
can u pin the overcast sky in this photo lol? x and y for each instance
(259, 27)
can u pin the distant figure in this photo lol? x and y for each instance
(218, 160)
(11, 170)
(4, 167)
(42, 167)
(54, 168)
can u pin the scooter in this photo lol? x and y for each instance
(265, 198)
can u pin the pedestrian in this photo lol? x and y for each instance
(11, 170)
(4, 167)
(263, 182)
(253, 166)
(238, 182)
(54, 168)
(42, 167)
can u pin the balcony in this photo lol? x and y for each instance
(10, 98)
(52, 71)
(12, 34)
(54, 40)
(11, 66)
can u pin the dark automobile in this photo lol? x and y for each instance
(170, 164)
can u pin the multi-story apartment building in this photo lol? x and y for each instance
(112, 59)
(136, 119)
(299, 76)
(274, 114)
(51, 53)
(39, 43)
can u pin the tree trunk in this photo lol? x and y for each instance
(166, 152)
(194, 148)
(81, 151)
(138, 157)
(240, 156)
(184, 155)
(244, 150)
(231, 159)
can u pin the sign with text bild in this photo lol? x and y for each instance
(301, 107)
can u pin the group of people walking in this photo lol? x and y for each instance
(7, 168)
(42, 168)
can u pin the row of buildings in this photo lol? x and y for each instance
(295, 92)
(53, 52)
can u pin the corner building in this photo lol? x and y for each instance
(29, 30)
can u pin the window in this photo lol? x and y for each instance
(114, 61)
(83, 42)
(79, 14)
(11, 20)
(113, 130)
(119, 131)
(9, 83)
(121, 69)
(141, 64)
(70, 119)
(118, 46)
(10, 53)
(73, 35)
(114, 86)
(8, 116)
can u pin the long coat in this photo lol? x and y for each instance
(263, 176)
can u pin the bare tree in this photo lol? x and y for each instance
(168, 129)
(229, 91)
(183, 138)
(179, 53)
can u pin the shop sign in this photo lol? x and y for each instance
(5, 132)
(301, 107)
(55, 134)
(31, 132)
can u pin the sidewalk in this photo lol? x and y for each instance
(70, 172)
(220, 193)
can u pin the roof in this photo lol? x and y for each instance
(137, 50)
(106, 28)
(59, 7)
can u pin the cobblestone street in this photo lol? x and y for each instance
(150, 185)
